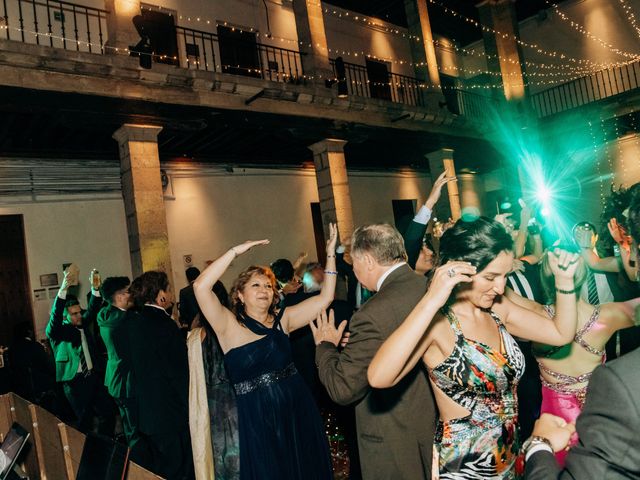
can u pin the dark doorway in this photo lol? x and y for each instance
(239, 52)
(15, 295)
(379, 79)
(161, 30)
(403, 213)
(318, 232)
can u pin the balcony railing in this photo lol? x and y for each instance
(591, 88)
(395, 88)
(200, 50)
(54, 23)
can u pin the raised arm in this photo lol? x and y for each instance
(304, 312)
(405, 347)
(54, 330)
(618, 315)
(535, 325)
(216, 314)
(521, 239)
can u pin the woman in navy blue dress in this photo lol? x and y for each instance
(281, 431)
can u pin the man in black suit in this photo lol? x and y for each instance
(609, 446)
(161, 373)
(188, 305)
(74, 348)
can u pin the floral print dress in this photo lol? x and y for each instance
(485, 444)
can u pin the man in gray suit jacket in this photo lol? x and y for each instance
(395, 425)
(609, 426)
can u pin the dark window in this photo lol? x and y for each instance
(161, 30)
(379, 79)
(239, 52)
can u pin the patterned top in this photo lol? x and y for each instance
(483, 380)
(478, 377)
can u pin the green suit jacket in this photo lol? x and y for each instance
(66, 340)
(115, 326)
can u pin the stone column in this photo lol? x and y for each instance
(312, 40)
(439, 161)
(471, 194)
(419, 26)
(120, 30)
(333, 185)
(505, 53)
(143, 198)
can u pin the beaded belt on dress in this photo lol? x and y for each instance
(264, 380)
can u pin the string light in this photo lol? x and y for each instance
(596, 157)
(630, 16)
(579, 28)
(537, 48)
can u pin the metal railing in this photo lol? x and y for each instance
(471, 104)
(397, 88)
(591, 88)
(55, 23)
(200, 50)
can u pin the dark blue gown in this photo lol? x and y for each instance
(281, 431)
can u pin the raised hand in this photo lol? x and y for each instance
(619, 234)
(248, 245)
(94, 279)
(436, 190)
(446, 277)
(333, 239)
(525, 213)
(563, 263)
(324, 329)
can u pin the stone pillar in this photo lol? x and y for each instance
(333, 185)
(439, 161)
(505, 53)
(419, 26)
(312, 40)
(143, 198)
(471, 194)
(120, 30)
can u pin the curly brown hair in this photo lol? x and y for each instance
(237, 306)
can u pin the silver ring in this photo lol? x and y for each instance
(451, 272)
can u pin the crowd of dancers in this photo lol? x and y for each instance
(447, 347)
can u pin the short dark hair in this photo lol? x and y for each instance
(71, 301)
(478, 242)
(111, 285)
(146, 287)
(634, 218)
(192, 273)
(283, 270)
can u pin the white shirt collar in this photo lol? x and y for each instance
(384, 276)
(156, 306)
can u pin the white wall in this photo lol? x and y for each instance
(208, 210)
(88, 231)
(213, 211)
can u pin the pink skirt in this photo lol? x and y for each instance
(563, 405)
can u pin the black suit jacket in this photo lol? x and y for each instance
(395, 425)
(161, 369)
(413, 241)
(609, 429)
(188, 305)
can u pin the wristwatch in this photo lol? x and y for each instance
(534, 441)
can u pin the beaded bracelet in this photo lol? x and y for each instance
(329, 272)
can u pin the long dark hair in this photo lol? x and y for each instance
(478, 242)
